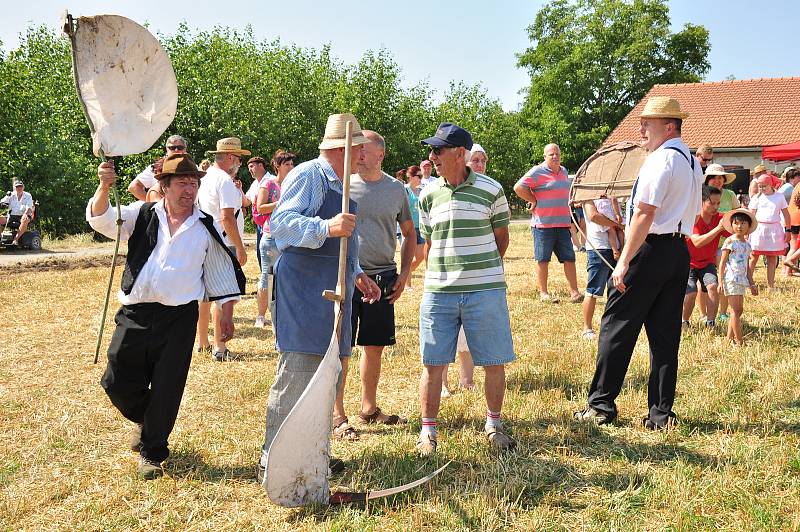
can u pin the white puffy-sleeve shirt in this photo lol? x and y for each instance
(175, 273)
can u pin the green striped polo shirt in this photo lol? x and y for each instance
(459, 222)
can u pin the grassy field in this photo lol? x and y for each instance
(733, 463)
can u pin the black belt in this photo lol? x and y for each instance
(665, 236)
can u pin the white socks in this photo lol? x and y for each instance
(428, 427)
(492, 421)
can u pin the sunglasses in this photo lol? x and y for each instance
(176, 148)
(706, 159)
(418, 175)
(437, 150)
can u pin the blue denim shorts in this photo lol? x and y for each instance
(707, 277)
(269, 254)
(484, 316)
(548, 240)
(598, 271)
(420, 240)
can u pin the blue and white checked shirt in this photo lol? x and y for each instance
(302, 194)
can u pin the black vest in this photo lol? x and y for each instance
(143, 241)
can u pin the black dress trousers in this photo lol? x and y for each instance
(148, 361)
(656, 284)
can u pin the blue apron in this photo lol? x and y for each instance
(303, 318)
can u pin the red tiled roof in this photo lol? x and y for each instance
(728, 114)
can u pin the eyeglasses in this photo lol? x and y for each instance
(437, 150)
(176, 148)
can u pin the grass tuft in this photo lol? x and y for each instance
(733, 463)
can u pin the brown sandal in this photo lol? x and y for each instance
(344, 430)
(375, 417)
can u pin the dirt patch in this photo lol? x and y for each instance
(59, 264)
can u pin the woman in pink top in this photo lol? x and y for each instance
(269, 192)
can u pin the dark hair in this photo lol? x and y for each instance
(677, 121)
(710, 191)
(166, 181)
(412, 171)
(711, 176)
(741, 217)
(257, 159)
(791, 173)
(280, 157)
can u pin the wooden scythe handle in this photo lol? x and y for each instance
(340, 285)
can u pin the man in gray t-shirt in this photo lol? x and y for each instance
(382, 204)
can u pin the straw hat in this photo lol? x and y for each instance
(758, 168)
(726, 220)
(335, 132)
(718, 169)
(663, 107)
(179, 164)
(230, 145)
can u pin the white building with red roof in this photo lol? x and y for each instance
(737, 118)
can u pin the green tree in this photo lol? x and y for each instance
(229, 84)
(591, 61)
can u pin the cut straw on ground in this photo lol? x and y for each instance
(733, 463)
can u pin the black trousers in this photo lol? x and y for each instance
(148, 361)
(656, 284)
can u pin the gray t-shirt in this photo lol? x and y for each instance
(382, 205)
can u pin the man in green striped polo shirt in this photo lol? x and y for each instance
(464, 220)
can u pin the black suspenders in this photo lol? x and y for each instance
(689, 160)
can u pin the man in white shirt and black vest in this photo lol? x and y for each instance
(175, 258)
(650, 277)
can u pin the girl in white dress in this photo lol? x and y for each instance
(770, 237)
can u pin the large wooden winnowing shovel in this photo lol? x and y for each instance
(128, 93)
(609, 173)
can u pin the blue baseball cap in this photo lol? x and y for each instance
(450, 135)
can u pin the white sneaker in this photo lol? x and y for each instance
(260, 322)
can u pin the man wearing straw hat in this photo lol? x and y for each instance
(175, 258)
(220, 197)
(307, 225)
(651, 273)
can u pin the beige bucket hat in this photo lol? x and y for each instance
(663, 107)
(335, 132)
(230, 145)
(726, 220)
(718, 169)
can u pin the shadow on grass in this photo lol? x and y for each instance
(522, 478)
(531, 380)
(768, 428)
(190, 465)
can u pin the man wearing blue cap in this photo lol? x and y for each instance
(464, 220)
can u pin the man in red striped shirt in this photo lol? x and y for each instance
(546, 187)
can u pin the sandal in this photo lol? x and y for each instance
(426, 445)
(345, 431)
(376, 417)
(500, 440)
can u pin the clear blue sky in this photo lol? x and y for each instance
(472, 41)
